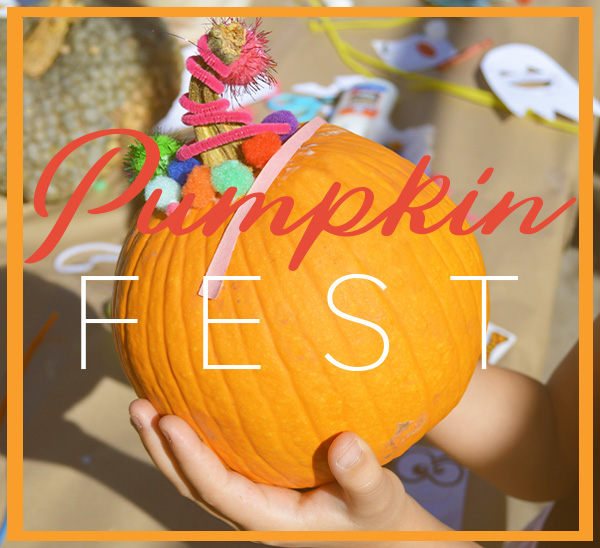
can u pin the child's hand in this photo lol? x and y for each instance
(364, 497)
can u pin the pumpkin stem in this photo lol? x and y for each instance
(226, 42)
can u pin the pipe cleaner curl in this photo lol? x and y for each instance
(252, 68)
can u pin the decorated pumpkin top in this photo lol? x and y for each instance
(256, 369)
(228, 150)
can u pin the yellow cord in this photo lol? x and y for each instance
(343, 48)
(353, 57)
(469, 93)
(353, 24)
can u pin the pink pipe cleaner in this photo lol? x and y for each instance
(216, 111)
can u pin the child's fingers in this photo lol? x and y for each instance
(145, 420)
(246, 503)
(368, 487)
(198, 463)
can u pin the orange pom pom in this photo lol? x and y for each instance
(258, 150)
(198, 184)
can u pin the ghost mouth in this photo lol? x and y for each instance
(530, 83)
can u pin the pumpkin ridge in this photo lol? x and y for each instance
(450, 321)
(251, 443)
(379, 176)
(262, 314)
(425, 392)
(245, 267)
(394, 312)
(224, 374)
(162, 401)
(162, 362)
(456, 288)
(180, 246)
(425, 389)
(375, 409)
(310, 277)
(188, 241)
(265, 463)
(128, 285)
(155, 363)
(380, 165)
(441, 209)
(289, 375)
(474, 259)
(455, 291)
(236, 459)
(366, 386)
(181, 308)
(163, 318)
(429, 283)
(377, 159)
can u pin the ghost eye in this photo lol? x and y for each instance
(533, 70)
(426, 49)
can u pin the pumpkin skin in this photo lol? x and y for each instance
(274, 425)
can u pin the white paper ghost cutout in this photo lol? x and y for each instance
(417, 51)
(411, 143)
(526, 79)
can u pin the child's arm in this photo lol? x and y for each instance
(517, 433)
(365, 497)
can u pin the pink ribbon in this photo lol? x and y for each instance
(220, 261)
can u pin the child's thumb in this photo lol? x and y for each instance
(367, 485)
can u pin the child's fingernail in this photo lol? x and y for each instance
(350, 455)
(135, 421)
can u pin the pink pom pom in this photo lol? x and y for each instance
(171, 207)
(254, 64)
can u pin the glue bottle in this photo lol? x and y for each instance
(365, 108)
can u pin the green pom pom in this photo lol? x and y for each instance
(136, 155)
(232, 173)
(166, 144)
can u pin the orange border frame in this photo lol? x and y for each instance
(15, 278)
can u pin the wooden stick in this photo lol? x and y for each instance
(29, 353)
(226, 42)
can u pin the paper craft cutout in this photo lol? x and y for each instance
(303, 107)
(419, 51)
(95, 253)
(411, 143)
(499, 342)
(527, 79)
(311, 99)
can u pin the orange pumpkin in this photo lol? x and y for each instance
(274, 425)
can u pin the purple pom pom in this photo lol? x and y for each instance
(180, 170)
(283, 117)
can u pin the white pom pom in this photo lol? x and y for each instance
(170, 191)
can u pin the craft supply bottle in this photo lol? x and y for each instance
(365, 108)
